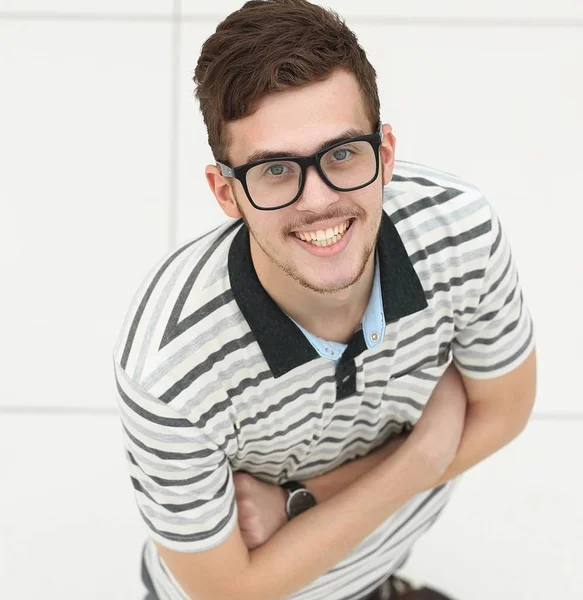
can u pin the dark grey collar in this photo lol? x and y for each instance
(283, 345)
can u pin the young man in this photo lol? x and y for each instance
(300, 387)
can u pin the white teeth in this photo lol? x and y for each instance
(323, 238)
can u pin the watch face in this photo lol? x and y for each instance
(299, 502)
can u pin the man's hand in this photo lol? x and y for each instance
(260, 508)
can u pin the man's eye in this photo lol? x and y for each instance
(276, 170)
(341, 154)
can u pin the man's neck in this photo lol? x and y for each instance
(334, 316)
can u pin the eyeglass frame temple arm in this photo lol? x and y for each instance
(225, 170)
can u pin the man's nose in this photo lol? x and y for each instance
(317, 195)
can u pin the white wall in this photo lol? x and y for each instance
(102, 151)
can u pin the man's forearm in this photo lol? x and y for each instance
(449, 390)
(326, 485)
(486, 431)
(311, 544)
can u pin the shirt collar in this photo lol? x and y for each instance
(283, 344)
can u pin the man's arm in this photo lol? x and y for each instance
(498, 411)
(314, 542)
(448, 389)
(261, 506)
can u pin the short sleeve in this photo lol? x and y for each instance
(182, 479)
(496, 332)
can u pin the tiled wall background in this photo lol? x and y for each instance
(101, 173)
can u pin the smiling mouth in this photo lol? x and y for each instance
(324, 237)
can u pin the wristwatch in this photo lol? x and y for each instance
(298, 499)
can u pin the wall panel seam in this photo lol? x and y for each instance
(372, 20)
(174, 126)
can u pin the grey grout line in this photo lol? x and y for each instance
(174, 126)
(103, 17)
(557, 417)
(108, 411)
(58, 410)
(375, 20)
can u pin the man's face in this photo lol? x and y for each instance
(299, 121)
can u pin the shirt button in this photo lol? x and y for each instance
(330, 351)
(374, 336)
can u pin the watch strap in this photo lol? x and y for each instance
(292, 486)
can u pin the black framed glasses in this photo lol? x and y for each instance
(274, 183)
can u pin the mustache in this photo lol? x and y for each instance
(340, 213)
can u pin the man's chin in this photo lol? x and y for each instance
(332, 286)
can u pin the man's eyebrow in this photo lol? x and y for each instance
(264, 154)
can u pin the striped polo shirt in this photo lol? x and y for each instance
(212, 377)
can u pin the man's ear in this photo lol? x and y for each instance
(387, 153)
(223, 191)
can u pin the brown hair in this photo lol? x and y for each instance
(270, 45)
